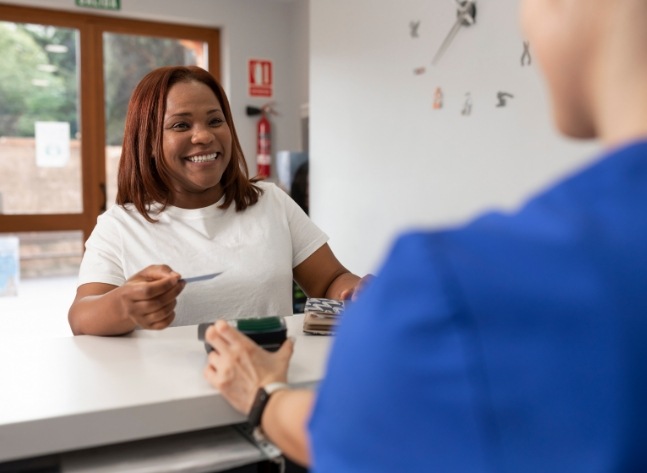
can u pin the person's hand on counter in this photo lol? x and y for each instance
(238, 367)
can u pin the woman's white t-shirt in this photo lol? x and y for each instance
(255, 249)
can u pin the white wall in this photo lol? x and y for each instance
(270, 29)
(301, 44)
(382, 159)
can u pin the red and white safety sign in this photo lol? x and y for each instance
(260, 78)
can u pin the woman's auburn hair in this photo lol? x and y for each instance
(143, 178)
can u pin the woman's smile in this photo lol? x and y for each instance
(203, 158)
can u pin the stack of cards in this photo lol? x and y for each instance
(321, 315)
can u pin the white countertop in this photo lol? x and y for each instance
(63, 394)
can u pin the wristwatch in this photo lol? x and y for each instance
(260, 401)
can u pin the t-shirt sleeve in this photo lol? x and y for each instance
(306, 236)
(103, 258)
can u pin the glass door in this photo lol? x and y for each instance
(41, 184)
(39, 120)
(40, 148)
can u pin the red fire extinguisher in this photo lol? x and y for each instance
(263, 139)
(263, 146)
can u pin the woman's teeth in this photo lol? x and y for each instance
(203, 158)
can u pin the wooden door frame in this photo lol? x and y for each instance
(91, 96)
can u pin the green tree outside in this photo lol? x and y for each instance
(30, 89)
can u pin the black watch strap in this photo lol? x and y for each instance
(260, 402)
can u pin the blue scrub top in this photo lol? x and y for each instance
(517, 343)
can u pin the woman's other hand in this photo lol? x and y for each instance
(356, 287)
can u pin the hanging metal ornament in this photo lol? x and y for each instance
(502, 98)
(526, 58)
(438, 98)
(467, 105)
(413, 28)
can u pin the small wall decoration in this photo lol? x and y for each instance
(260, 78)
(467, 105)
(502, 98)
(438, 98)
(526, 58)
(413, 28)
(465, 14)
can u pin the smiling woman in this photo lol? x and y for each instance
(186, 206)
(192, 111)
(197, 144)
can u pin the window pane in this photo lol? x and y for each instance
(39, 122)
(128, 58)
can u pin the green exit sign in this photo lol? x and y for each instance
(103, 4)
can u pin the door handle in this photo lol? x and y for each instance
(104, 203)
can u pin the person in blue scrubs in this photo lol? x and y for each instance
(516, 343)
